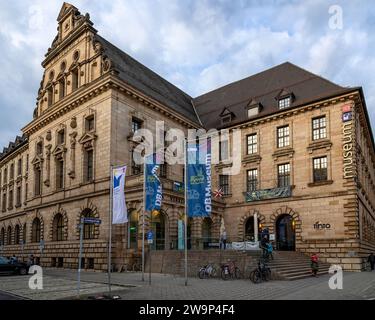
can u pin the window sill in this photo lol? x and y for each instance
(319, 144)
(319, 183)
(282, 152)
(251, 158)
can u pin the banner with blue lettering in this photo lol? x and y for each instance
(154, 190)
(198, 182)
(119, 211)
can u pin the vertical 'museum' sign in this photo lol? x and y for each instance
(347, 134)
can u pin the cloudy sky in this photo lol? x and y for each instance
(198, 45)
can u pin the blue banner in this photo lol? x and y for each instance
(154, 190)
(199, 179)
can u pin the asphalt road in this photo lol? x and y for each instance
(7, 296)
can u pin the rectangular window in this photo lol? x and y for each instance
(4, 204)
(283, 138)
(251, 112)
(12, 171)
(90, 123)
(136, 168)
(284, 103)
(59, 174)
(283, 175)
(10, 199)
(224, 183)
(224, 150)
(19, 167)
(38, 182)
(62, 88)
(74, 79)
(252, 143)
(136, 124)
(252, 180)
(89, 165)
(18, 196)
(5, 176)
(26, 191)
(320, 171)
(39, 148)
(27, 163)
(319, 128)
(163, 170)
(61, 137)
(50, 96)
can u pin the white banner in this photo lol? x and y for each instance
(119, 212)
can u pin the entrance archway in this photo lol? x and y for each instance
(206, 232)
(158, 227)
(285, 233)
(249, 229)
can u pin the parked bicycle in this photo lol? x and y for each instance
(207, 271)
(261, 273)
(230, 270)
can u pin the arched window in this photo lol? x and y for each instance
(35, 232)
(9, 236)
(58, 228)
(88, 229)
(2, 236)
(17, 234)
(24, 233)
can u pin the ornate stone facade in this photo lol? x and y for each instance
(92, 95)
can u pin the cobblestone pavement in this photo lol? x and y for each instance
(60, 284)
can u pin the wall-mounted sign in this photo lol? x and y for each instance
(321, 226)
(347, 141)
(347, 116)
(272, 237)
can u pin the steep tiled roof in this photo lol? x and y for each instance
(13, 146)
(148, 82)
(265, 88)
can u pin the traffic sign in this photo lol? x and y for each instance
(150, 237)
(92, 221)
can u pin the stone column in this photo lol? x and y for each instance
(71, 172)
(48, 165)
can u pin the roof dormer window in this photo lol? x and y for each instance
(226, 116)
(285, 102)
(253, 108)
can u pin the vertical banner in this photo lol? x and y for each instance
(153, 186)
(199, 179)
(120, 212)
(181, 239)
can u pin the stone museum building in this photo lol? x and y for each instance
(306, 164)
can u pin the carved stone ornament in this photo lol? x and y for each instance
(49, 135)
(73, 123)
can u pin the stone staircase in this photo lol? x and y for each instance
(287, 265)
(290, 265)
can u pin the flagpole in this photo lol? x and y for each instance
(143, 219)
(186, 211)
(110, 229)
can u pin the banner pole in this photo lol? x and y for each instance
(110, 230)
(143, 219)
(186, 211)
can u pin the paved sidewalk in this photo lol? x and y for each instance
(61, 284)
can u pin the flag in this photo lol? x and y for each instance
(218, 193)
(119, 211)
(153, 186)
(198, 184)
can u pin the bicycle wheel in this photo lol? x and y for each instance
(201, 273)
(213, 273)
(257, 278)
(225, 274)
(237, 273)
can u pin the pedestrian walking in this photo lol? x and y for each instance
(224, 239)
(314, 265)
(31, 261)
(270, 249)
(371, 260)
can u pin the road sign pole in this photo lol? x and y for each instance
(186, 210)
(143, 219)
(110, 232)
(80, 256)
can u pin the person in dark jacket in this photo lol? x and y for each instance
(371, 259)
(314, 265)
